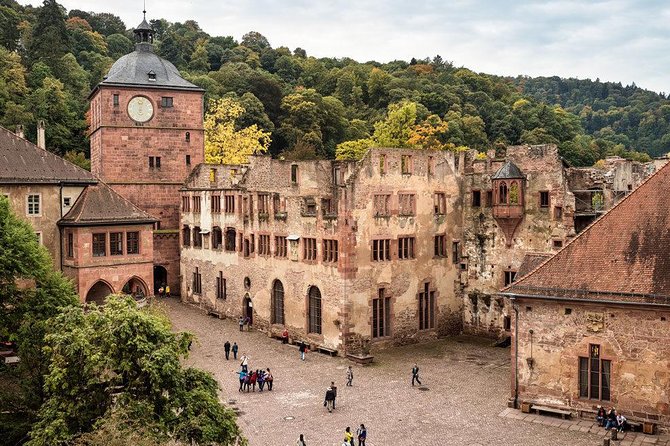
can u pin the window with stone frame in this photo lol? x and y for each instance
(328, 209)
(197, 282)
(382, 164)
(216, 204)
(167, 102)
(309, 207)
(281, 246)
(186, 204)
(594, 375)
(100, 245)
(133, 242)
(294, 174)
(558, 212)
(309, 249)
(431, 166)
(230, 241)
(264, 245)
(510, 277)
(439, 203)
(217, 238)
(544, 199)
(70, 244)
(382, 205)
(186, 235)
(314, 310)
(196, 204)
(426, 308)
(116, 243)
(252, 243)
(197, 237)
(229, 204)
(221, 292)
(489, 198)
(406, 248)
(277, 313)
(406, 204)
(381, 250)
(381, 315)
(278, 205)
(440, 246)
(330, 250)
(455, 251)
(406, 164)
(34, 205)
(263, 204)
(476, 198)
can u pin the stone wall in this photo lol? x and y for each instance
(635, 340)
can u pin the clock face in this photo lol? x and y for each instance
(140, 109)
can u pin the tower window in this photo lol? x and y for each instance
(188, 160)
(115, 99)
(166, 101)
(152, 76)
(158, 162)
(294, 174)
(188, 136)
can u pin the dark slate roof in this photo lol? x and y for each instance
(621, 257)
(508, 170)
(144, 26)
(22, 162)
(100, 205)
(132, 69)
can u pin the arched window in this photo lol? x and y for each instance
(277, 302)
(98, 292)
(314, 310)
(502, 195)
(514, 193)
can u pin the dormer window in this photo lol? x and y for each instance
(152, 75)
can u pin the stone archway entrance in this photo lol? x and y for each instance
(160, 277)
(247, 309)
(135, 287)
(98, 292)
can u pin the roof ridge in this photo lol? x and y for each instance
(126, 200)
(589, 228)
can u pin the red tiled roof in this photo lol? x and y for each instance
(623, 256)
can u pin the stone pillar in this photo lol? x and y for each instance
(19, 131)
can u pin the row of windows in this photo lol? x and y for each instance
(116, 243)
(382, 248)
(166, 101)
(543, 199)
(406, 165)
(406, 204)
(155, 161)
(231, 240)
(34, 204)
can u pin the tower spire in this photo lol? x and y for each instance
(144, 10)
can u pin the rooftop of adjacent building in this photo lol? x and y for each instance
(621, 257)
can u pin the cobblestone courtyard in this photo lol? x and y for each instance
(467, 382)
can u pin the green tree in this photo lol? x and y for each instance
(118, 45)
(9, 28)
(199, 59)
(50, 39)
(396, 129)
(118, 359)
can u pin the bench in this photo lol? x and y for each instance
(563, 413)
(215, 314)
(327, 350)
(635, 426)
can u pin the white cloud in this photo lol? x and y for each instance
(614, 40)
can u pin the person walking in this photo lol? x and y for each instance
(350, 376)
(245, 363)
(415, 374)
(269, 379)
(284, 336)
(167, 291)
(226, 348)
(302, 349)
(235, 350)
(328, 401)
(348, 437)
(253, 379)
(362, 434)
(261, 379)
(301, 441)
(160, 292)
(243, 377)
(241, 322)
(332, 386)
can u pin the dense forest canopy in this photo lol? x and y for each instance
(318, 107)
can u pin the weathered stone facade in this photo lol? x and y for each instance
(334, 215)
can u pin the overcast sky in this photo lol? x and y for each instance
(614, 40)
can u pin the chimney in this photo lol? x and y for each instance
(19, 131)
(41, 142)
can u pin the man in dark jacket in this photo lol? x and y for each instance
(415, 374)
(330, 399)
(226, 348)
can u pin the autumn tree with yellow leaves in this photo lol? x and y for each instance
(224, 144)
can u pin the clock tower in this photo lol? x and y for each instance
(146, 133)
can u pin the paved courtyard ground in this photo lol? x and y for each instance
(467, 385)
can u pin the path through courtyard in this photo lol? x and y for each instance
(467, 382)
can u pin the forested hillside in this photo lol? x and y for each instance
(50, 59)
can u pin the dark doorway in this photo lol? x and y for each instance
(160, 277)
(247, 309)
(135, 287)
(98, 292)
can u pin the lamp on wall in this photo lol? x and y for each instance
(530, 361)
